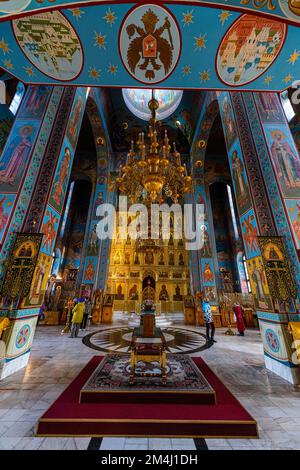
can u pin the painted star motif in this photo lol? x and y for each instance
(204, 76)
(288, 78)
(113, 69)
(94, 73)
(200, 41)
(77, 13)
(7, 63)
(268, 79)
(293, 57)
(4, 46)
(186, 70)
(223, 16)
(188, 17)
(29, 71)
(100, 40)
(110, 17)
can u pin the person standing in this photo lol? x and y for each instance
(238, 311)
(209, 321)
(87, 313)
(77, 318)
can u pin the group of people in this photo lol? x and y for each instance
(210, 327)
(80, 314)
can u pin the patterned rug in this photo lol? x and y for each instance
(112, 375)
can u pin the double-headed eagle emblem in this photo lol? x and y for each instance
(150, 46)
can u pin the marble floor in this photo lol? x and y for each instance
(238, 361)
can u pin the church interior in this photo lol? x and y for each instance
(149, 225)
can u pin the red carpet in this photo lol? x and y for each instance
(68, 417)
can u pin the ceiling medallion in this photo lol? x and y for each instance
(149, 43)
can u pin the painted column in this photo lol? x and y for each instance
(279, 164)
(204, 260)
(95, 260)
(40, 197)
(20, 163)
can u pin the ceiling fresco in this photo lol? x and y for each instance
(132, 45)
(288, 10)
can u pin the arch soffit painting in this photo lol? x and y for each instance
(199, 42)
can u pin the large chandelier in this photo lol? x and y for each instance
(152, 172)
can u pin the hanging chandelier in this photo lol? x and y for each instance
(152, 172)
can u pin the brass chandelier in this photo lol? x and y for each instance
(152, 173)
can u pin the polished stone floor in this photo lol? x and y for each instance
(55, 361)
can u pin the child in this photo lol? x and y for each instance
(209, 321)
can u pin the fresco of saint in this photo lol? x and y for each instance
(230, 134)
(241, 187)
(15, 154)
(286, 162)
(75, 121)
(60, 184)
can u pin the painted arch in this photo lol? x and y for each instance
(229, 45)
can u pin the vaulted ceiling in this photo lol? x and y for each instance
(234, 44)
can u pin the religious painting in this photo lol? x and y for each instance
(49, 229)
(34, 104)
(240, 180)
(21, 265)
(249, 48)
(133, 293)
(293, 207)
(6, 204)
(50, 43)
(90, 269)
(227, 120)
(39, 281)
(61, 179)
(93, 241)
(280, 280)
(163, 294)
(177, 296)
(75, 121)
(15, 155)
(269, 107)
(250, 233)
(13, 6)
(206, 250)
(259, 284)
(210, 293)
(100, 199)
(208, 272)
(285, 159)
(149, 43)
(291, 8)
(119, 292)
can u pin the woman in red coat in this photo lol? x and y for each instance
(238, 311)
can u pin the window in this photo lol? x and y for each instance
(137, 101)
(287, 106)
(16, 101)
(236, 232)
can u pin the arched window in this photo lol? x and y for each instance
(16, 101)
(243, 273)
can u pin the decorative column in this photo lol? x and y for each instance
(203, 262)
(43, 138)
(279, 163)
(95, 259)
